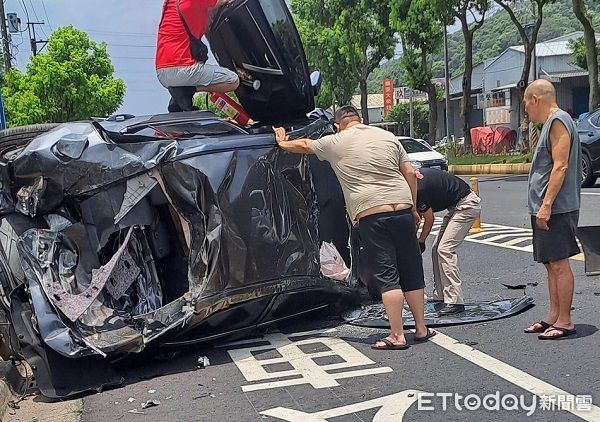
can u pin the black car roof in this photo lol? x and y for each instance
(134, 123)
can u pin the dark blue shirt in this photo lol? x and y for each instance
(439, 190)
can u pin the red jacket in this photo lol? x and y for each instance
(173, 44)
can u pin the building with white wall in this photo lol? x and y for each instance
(499, 76)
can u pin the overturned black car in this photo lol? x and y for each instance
(158, 229)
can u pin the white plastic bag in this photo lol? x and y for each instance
(332, 264)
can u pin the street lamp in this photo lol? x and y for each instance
(447, 83)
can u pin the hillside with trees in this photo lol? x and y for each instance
(497, 34)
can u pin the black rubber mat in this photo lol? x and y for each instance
(373, 315)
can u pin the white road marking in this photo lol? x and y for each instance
(591, 193)
(511, 374)
(496, 238)
(515, 238)
(393, 408)
(305, 369)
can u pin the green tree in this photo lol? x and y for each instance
(400, 114)
(529, 35)
(496, 35)
(591, 52)
(464, 10)
(579, 53)
(348, 38)
(391, 69)
(322, 52)
(72, 81)
(417, 22)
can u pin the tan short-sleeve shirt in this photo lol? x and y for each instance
(366, 161)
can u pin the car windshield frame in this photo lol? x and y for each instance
(184, 130)
(412, 146)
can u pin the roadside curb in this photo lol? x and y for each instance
(522, 168)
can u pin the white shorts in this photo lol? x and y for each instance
(198, 74)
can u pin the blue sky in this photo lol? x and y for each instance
(127, 26)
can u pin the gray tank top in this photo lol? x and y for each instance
(569, 197)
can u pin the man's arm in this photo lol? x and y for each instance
(408, 172)
(560, 146)
(427, 225)
(297, 146)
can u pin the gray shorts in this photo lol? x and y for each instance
(198, 74)
(559, 242)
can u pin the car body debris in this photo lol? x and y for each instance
(136, 412)
(203, 362)
(150, 403)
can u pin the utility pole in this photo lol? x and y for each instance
(411, 117)
(535, 69)
(447, 77)
(32, 37)
(484, 106)
(5, 40)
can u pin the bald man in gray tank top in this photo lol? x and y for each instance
(554, 201)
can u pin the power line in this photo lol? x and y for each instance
(47, 18)
(37, 19)
(130, 45)
(117, 33)
(132, 58)
(34, 11)
(25, 10)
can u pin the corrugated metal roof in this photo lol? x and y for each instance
(555, 47)
(547, 49)
(503, 87)
(563, 75)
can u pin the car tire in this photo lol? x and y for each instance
(20, 136)
(588, 177)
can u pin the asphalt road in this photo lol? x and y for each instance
(489, 358)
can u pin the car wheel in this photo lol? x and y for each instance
(16, 137)
(587, 175)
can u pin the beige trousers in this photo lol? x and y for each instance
(454, 229)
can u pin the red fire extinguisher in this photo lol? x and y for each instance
(228, 106)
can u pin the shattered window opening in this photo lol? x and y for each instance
(187, 130)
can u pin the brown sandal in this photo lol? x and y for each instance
(430, 333)
(563, 332)
(389, 345)
(544, 325)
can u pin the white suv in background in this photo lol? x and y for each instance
(422, 155)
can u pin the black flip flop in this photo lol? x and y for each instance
(389, 345)
(544, 325)
(430, 333)
(564, 332)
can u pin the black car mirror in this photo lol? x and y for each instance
(70, 147)
(316, 79)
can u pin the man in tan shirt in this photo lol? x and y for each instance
(380, 189)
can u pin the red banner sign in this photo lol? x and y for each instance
(388, 95)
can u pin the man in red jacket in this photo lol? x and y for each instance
(175, 63)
